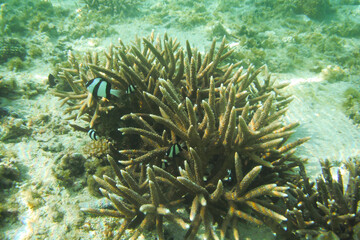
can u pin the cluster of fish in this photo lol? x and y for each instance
(99, 87)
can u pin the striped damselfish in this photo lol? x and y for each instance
(174, 150)
(93, 135)
(130, 89)
(99, 87)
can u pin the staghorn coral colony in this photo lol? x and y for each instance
(327, 210)
(195, 140)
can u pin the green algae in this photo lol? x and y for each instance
(8, 86)
(9, 174)
(350, 2)
(334, 74)
(316, 9)
(85, 26)
(16, 64)
(218, 31)
(69, 167)
(11, 48)
(12, 129)
(75, 171)
(35, 51)
(295, 35)
(23, 18)
(9, 211)
(29, 30)
(180, 14)
(352, 104)
(120, 8)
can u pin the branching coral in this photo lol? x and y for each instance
(224, 120)
(329, 210)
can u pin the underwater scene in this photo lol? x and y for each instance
(170, 120)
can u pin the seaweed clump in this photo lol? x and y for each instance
(11, 129)
(69, 167)
(24, 18)
(213, 150)
(10, 176)
(180, 14)
(123, 8)
(315, 9)
(334, 74)
(11, 48)
(352, 104)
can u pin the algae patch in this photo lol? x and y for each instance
(352, 104)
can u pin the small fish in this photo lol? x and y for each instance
(131, 88)
(164, 163)
(174, 150)
(93, 135)
(99, 87)
(51, 80)
(228, 178)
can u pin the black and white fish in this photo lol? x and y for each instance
(99, 87)
(164, 163)
(51, 80)
(130, 89)
(93, 135)
(173, 150)
(228, 177)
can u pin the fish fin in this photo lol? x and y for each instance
(115, 92)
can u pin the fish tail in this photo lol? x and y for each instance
(115, 92)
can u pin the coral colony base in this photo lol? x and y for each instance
(198, 141)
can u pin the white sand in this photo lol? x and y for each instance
(318, 107)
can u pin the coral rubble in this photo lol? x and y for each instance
(231, 159)
(13, 128)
